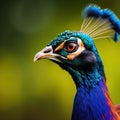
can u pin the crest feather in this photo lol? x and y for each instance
(100, 23)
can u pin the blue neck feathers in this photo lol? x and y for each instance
(93, 103)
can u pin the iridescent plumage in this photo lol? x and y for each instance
(76, 53)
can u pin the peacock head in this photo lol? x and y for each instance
(76, 51)
(71, 50)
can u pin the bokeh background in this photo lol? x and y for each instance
(42, 90)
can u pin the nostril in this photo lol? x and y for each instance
(47, 50)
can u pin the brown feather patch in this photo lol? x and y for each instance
(60, 46)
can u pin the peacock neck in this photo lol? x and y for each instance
(93, 103)
(86, 79)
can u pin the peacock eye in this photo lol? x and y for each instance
(71, 47)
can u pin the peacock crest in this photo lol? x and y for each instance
(100, 23)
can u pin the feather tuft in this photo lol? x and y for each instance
(100, 23)
(92, 10)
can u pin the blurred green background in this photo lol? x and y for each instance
(43, 91)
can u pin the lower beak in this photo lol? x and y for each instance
(46, 53)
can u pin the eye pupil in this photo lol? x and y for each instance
(70, 46)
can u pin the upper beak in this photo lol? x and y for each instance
(46, 53)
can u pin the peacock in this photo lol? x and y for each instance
(75, 52)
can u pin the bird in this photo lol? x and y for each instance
(76, 52)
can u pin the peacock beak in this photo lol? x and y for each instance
(46, 53)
